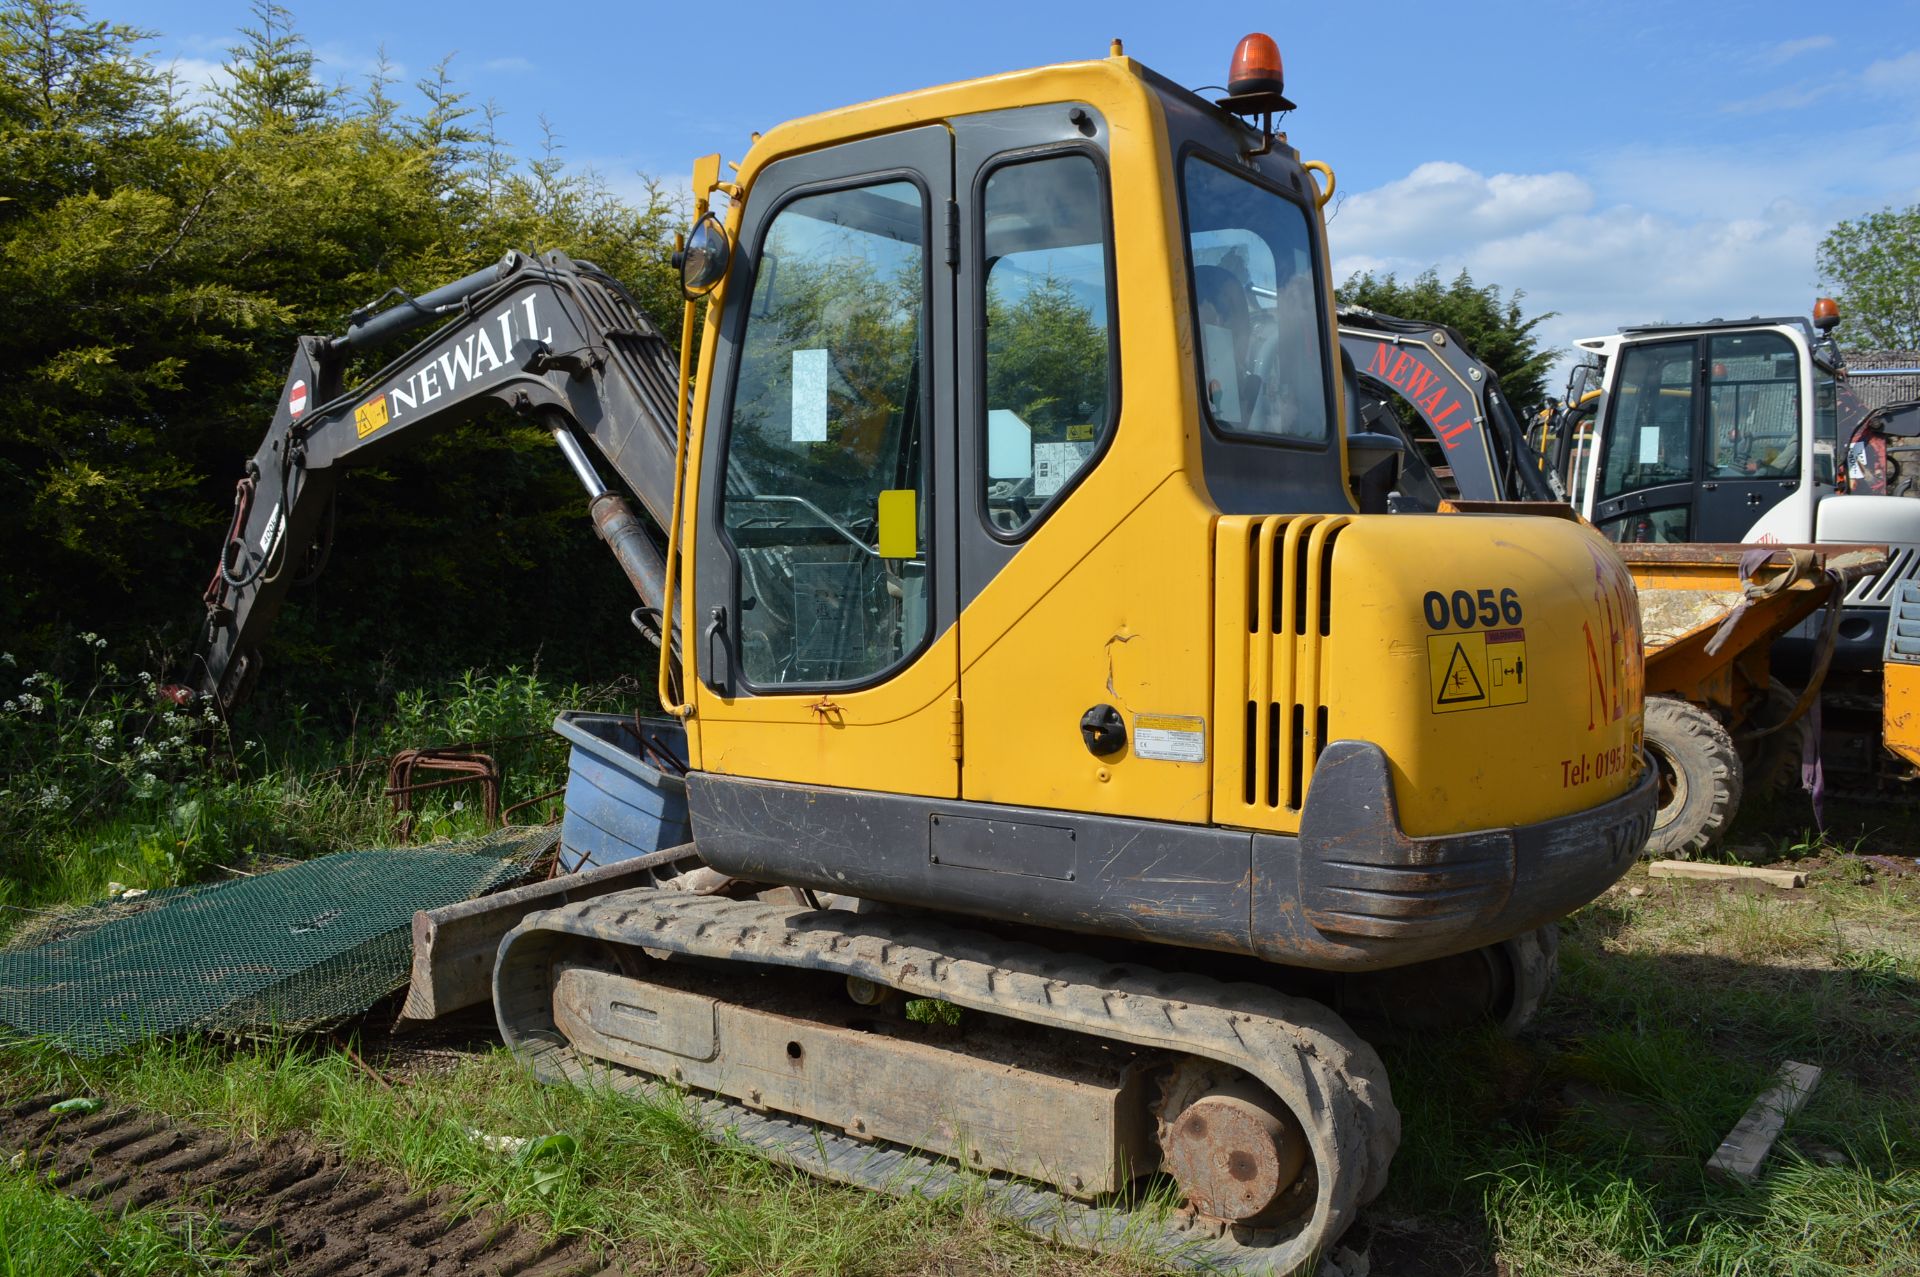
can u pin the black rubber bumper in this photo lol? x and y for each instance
(1368, 895)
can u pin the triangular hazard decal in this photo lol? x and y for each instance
(1461, 684)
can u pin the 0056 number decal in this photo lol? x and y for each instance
(1464, 609)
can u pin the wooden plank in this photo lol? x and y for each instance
(1695, 869)
(1748, 1143)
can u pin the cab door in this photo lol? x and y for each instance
(825, 585)
(1751, 452)
(1647, 476)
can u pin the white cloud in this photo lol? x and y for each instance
(1788, 97)
(1442, 203)
(197, 79)
(357, 63)
(507, 66)
(1894, 77)
(1787, 50)
(1600, 264)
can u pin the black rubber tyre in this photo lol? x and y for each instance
(1700, 777)
(1533, 959)
(1766, 759)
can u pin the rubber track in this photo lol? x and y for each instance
(1333, 1081)
(291, 1210)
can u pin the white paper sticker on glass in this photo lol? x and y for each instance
(1009, 445)
(1055, 463)
(809, 396)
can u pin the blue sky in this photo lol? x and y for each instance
(1621, 162)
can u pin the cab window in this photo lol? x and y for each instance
(1257, 307)
(1650, 441)
(1753, 403)
(1049, 339)
(826, 473)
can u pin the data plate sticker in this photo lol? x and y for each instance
(1480, 670)
(1171, 738)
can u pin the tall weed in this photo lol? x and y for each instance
(115, 778)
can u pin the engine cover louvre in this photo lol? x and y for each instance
(1273, 631)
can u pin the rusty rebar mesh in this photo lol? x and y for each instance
(295, 948)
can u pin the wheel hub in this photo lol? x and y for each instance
(1234, 1153)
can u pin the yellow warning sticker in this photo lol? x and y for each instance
(1477, 670)
(1080, 434)
(370, 416)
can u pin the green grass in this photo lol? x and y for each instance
(92, 793)
(1581, 1147)
(1577, 1149)
(44, 1234)
(640, 1178)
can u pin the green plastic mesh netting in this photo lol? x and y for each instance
(294, 948)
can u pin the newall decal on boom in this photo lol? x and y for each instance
(466, 360)
(1423, 389)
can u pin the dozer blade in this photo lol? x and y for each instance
(1270, 1116)
(454, 946)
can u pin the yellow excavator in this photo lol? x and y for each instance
(1044, 645)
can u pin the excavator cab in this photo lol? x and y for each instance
(1731, 431)
(1704, 433)
(1035, 655)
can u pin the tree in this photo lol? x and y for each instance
(1872, 264)
(271, 76)
(158, 259)
(1494, 327)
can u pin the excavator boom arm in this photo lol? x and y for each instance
(553, 339)
(1457, 397)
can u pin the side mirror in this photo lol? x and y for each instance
(1579, 381)
(703, 262)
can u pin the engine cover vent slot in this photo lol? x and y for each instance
(1274, 588)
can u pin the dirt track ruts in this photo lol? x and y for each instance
(294, 1210)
